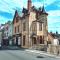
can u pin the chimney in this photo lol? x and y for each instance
(29, 5)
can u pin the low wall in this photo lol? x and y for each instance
(41, 47)
(53, 49)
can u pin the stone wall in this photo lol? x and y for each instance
(40, 47)
(53, 49)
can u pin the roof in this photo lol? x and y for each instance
(25, 11)
(22, 14)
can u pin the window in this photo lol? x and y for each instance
(18, 28)
(24, 26)
(24, 37)
(10, 30)
(17, 19)
(41, 38)
(7, 33)
(7, 28)
(40, 26)
(15, 29)
(34, 40)
(34, 27)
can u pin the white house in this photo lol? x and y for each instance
(0, 38)
(10, 32)
(1, 34)
(8, 28)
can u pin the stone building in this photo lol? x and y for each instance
(30, 27)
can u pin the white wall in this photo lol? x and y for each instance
(55, 42)
(10, 30)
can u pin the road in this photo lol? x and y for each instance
(22, 55)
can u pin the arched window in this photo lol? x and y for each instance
(24, 26)
(40, 26)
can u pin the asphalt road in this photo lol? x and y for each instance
(22, 55)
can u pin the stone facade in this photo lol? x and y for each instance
(31, 27)
(53, 49)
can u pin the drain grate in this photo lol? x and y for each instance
(40, 56)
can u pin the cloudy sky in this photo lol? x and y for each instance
(8, 7)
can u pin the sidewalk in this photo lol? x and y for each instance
(12, 48)
(43, 53)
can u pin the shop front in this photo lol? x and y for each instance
(17, 40)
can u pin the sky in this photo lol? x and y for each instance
(52, 7)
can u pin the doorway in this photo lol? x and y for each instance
(34, 41)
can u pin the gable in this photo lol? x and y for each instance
(15, 15)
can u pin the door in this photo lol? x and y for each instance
(19, 40)
(40, 39)
(34, 40)
(24, 40)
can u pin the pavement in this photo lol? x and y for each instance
(11, 48)
(30, 51)
(43, 53)
(23, 55)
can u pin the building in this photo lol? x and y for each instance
(1, 33)
(0, 38)
(51, 37)
(30, 27)
(8, 32)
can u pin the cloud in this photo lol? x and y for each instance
(6, 14)
(3, 19)
(8, 7)
(54, 16)
(37, 4)
(54, 13)
(57, 3)
(48, 2)
(54, 20)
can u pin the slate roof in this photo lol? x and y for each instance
(25, 12)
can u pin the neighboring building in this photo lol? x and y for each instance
(50, 38)
(8, 28)
(0, 37)
(5, 39)
(17, 29)
(1, 33)
(10, 33)
(31, 27)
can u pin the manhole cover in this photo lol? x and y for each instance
(40, 57)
